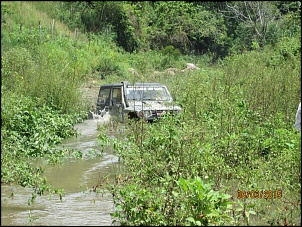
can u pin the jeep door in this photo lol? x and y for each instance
(117, 103)
(103, 101)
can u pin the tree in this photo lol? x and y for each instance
(187, 26)
(255, 18)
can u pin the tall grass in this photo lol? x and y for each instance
(235, 133)
(30, 13)
(270, 80)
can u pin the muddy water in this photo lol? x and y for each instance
(80, 205)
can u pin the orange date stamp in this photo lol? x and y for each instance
(259, 194)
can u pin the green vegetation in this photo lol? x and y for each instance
(220, 141)
(236, 128)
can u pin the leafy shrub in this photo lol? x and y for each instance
(29, 130)
(38, 127)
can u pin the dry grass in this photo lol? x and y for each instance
(29, 15)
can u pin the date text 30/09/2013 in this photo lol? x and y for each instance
(258, 194)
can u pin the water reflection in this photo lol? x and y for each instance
(79, 205)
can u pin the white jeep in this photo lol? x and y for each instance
(123, 101)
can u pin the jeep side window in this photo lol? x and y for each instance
(117, 95)
(104, 96)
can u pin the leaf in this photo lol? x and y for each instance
(213, 214)
(198, 223)
(252, 212)
(183, 184)
(175, 194)
(190, 219)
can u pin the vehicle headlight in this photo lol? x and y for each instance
(145, 113)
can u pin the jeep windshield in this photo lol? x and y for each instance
(148, 93)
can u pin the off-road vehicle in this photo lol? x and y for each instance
(124, 101)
